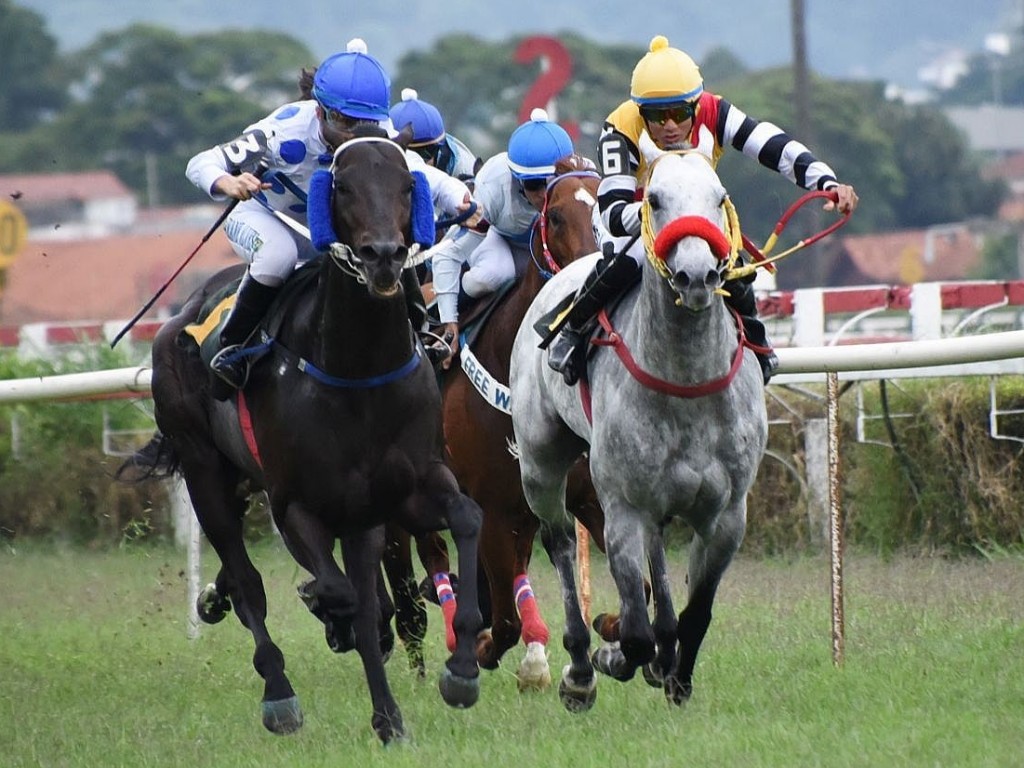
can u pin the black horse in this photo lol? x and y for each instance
(345, 434)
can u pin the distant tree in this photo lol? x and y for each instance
(990, 78)
(31, 85)
(478, 86)
(146, 99)
(1000, 258)
(721, 65)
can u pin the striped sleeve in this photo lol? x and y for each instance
(772, 147)
(616, 195)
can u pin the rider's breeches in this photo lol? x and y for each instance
(271, 248)
(491, 265)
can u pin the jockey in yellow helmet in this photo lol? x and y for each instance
(670, 107)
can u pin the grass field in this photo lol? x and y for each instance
(96, 670)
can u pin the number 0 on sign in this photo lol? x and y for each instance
(13, 232)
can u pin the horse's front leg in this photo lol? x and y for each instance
(710, 555)
(626, 541)
(362, 556)
(664, 613)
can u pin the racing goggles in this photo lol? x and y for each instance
(678, 112)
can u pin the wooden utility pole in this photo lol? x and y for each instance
(814, 269)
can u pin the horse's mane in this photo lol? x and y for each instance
(574, 162)
(364, 129)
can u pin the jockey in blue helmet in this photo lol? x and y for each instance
(511, 187)
(430, 140)
(269, 168)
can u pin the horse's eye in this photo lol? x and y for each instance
(555, 219)
(653, 200)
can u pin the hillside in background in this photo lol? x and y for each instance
(866, 39)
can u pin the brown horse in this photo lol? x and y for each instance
(340, 423)
(478, 434)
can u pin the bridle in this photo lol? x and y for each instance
(542, 224)
(341, 253)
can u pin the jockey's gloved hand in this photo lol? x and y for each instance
(451, 338)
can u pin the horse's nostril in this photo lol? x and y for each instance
(713, 279)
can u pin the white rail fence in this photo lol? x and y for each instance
(988, 354)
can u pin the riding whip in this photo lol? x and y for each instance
(216, 225)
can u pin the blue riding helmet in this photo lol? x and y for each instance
(354, 84)
(427, 124)
(535, 147)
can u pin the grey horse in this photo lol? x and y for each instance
(681, 436)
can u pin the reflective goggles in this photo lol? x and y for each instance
(533, 185)
(678, 113)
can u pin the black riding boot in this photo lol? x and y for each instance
(741, 298)
(251, 304)
(610, 277)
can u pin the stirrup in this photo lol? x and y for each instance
(563, 355)
(231, 367)
(769, 363)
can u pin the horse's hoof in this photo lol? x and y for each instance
(611, 661)
(389, 730)
(606, 625)
(282, 716)
(652, 676)
(211, 606)
(458, 692)
(486, 650)
(534, 673)
(339, 639)
(677, 692)
(576, 698)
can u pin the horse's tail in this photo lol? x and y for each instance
(156, 459)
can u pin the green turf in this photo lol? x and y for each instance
(96, 670)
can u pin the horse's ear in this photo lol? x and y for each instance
(422, 212)
(318, 210)
(404, 136)
(648, 148)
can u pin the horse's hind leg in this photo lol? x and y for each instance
(211, 484)
(214, 603)
(578, 686)
(627, 551)
(709, 558)
(460, 678)
(410, 612)
(362, 555)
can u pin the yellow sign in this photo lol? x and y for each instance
(911, 267)
(13, 232)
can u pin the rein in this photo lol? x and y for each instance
(616, 342)
(760, 256)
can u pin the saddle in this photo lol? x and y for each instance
(205, 332)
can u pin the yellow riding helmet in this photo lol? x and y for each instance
(665, 75)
